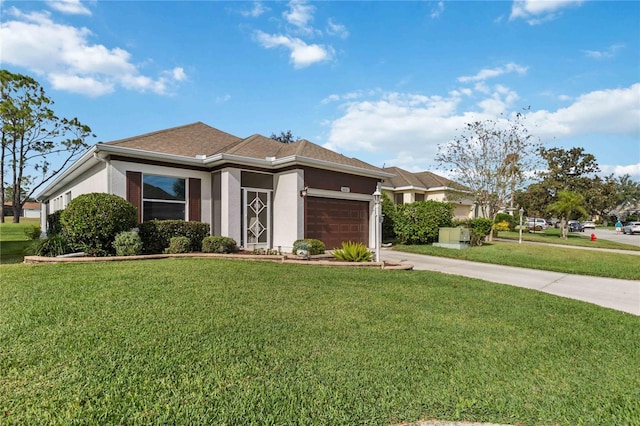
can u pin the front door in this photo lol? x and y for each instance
(257, 218)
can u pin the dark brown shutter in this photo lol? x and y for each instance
(195, 199)
(134, 191)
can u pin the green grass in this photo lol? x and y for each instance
(13, 241)
(581, 239)
(195, 341)
(534, 256)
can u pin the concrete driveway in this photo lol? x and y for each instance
(621, 295)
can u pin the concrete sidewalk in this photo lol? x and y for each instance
(621, 295)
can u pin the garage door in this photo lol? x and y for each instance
(334, 221)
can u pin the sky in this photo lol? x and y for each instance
(385, 82)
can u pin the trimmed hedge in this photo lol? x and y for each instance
(90, 222)
(156, 234)
(314, 246)
(218, 244)
(420, 222)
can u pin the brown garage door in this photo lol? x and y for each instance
(334, 221)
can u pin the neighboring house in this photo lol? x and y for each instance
(29, 209)
(405, 187)
(260, 192)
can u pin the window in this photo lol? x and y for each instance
(163, 197)
(67, 199)
(399, 198)
(419, 197)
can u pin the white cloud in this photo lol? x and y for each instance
(494, 72)
(257, 10)
(302, 54)
(64, 55)
(437, 10)
(613, 111)
(72, 7)
(632, 170)
(407, 128)
(337, 29)
(608, 53)
(300, 14)
(538, 11)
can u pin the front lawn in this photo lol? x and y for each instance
(545, 257)
(14, 244)
(552, 236)
(206, 341)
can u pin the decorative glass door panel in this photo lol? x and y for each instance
(257, 218)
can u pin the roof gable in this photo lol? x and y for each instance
(426, 180)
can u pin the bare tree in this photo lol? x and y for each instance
(492, 159)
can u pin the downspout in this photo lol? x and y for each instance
(105, 159)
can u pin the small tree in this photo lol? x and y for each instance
(31, 135)
(492, 159)
(568, 204)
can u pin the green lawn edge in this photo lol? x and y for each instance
(195, 341)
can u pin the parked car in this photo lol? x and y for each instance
(589, 224)
(631, 228)
(575, 226)
(537, 224)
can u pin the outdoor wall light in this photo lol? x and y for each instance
(303, 192)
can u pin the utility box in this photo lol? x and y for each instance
(456, 238)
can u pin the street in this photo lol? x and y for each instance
(608, 234)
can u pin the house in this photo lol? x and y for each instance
(30, 209)
(405, 187)
(258, 191)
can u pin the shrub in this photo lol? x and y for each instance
(389, 214)
(352, 252)
(178, 245)
(419, 222)
(33, 232)
(54, 245)
(91, 222)
(501, 226)
(480, 228)
(54, 227)
(127, 243)
(218, 244)
(155, 234)
(505, 217)
(314, 246)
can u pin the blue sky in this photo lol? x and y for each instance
(385, 82)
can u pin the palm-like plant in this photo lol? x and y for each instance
(567, 204)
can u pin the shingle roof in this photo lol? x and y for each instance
(198, 138)
(421, 179)
(189, 140)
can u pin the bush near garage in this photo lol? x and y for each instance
(156, 234)
(314, 246)
(419, 222)
(218, 244)
(90, 222)
(352, 252)
(389, 214)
